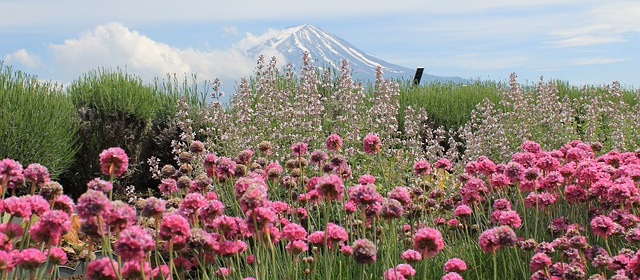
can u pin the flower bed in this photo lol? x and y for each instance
(568, 213)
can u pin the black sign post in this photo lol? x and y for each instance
(418, 76)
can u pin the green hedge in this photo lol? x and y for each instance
(38, 122)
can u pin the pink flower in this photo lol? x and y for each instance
(509, 218)
(443, 163)
(57, 256)
(161, 271)
(318, 157)
(575, 193)
(153, 207)
(501, 204)
(406, 270)
(364, 194)
(366, 179)
(391, 209)
(11, 173)
(113, 161)
(131, 269)
(50, 227)
(175, 228)
(455, 265)
(191, 203)
(92, 204)
(244, 183)
(364, 251)
(400, 194)
(539, 261)
(39, 205)
(133, 243)
(316, 237)
(245, 157)
(100, 185)
(225, 168)
(168, 186)
(330, 187)
(260, 218)
(335, 234)
(299, 149)
(209, 165)
(64, 203)
(494, 238)
(223, 272)
(333, 142)
(349, 207)
(393, 274)
(422, 168)
(371, 144)
(297, 247)
(102, 269)
(120, 216)
(231, 247)
(213, 209)
(411, 256)
(452, 276)
(531, 146)
(428, 241)
(6, 261)
(462, 211)
(36, 174)
(29, 259)
(541, 200)
(16, 206)
(293, 231)
(346, 250)
(602, 226)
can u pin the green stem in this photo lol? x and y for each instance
(495, 266)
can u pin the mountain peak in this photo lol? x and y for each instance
(327, 50)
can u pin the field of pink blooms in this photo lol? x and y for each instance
(569, 213)
(319, 177)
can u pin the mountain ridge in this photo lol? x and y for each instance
(329, 50)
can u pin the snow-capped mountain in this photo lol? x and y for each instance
(328, 50)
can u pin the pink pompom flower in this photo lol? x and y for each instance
(333, 142)
(428, 241)
(371, 144)
(113, 161)
(455, 265)
(102, 269)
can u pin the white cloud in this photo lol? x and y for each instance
(230, 30)
(24, 58)
(114, 45)
(597, 60)
(602, 23)
(586, 40)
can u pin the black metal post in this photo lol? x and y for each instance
(418, 76)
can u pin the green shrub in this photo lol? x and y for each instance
(118, 109)
(447, 104)
(37, 121)
(115, 109)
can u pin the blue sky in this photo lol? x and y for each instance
(583, 42)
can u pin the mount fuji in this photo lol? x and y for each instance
(328, 50)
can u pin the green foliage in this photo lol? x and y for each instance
(37, 121)
(447, 104)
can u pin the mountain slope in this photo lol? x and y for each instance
(328, 50)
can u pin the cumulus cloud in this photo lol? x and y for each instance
(24, 58)
(114, 45)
